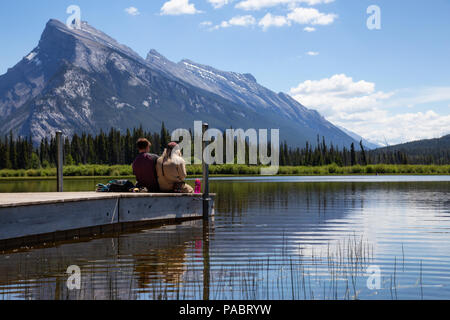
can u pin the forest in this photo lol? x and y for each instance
(117, 148)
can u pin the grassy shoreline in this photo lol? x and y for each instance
(125, 171)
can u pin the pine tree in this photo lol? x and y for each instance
(363, 154)
(35, 162)
(12, 151)
(3, 155)
(352, 155)
(76, 149)
(165, 137)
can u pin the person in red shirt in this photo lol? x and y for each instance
(144, 167)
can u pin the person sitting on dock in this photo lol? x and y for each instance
(144, 167)
(171, 170)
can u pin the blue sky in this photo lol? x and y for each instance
(391, 84)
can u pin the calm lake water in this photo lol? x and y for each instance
(271, 238)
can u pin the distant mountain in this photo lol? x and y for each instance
(421, 146)
(84, 81)
(366, 143)
(422, 151)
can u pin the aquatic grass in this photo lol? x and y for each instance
(286, 276)
(336, 271)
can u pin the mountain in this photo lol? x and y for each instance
(84, 81)
(357, 137)
(421, 147)
(428, 151)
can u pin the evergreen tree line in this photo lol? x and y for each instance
(326, 154)
(115, 147)
(109, 148)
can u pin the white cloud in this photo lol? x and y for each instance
(309, 29)
(299, 15)
(373, 114)
(411, 97)
(260, 4)
(218, 3)
(269, 20)
(403, 127)
(312, 53)
(132, 11)
(311, 16)
(338, 84)
(239, 21)
(242, 21)
(206, 24)
(178, 7)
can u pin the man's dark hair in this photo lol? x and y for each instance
(143, 143)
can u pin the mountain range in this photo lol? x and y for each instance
(83, 81)
(426, 147)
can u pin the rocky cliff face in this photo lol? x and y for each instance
(84, 81)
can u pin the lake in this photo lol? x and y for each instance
(368, 237)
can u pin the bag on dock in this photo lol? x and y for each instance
(116, 186)
(182, 187)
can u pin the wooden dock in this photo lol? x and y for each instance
(55, 216)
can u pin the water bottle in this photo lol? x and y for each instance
(198, 186)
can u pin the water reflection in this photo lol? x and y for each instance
(268, 240)
(116, 267)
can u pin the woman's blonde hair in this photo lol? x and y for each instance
(174, 154)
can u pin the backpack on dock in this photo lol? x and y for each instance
(116, 186)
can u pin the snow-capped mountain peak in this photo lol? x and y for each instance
(84, 80)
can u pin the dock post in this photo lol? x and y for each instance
(206, 261)
(205, 171)
(59, 159)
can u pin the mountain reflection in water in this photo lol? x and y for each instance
(268, 240)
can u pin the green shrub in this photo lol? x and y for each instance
(333, 168)
(370, 169)
(380, 168)
(226, 169)
(418, 169)
(33, 173)
(356, 169)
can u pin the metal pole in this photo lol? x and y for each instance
(59, 164)
(205, 176)
(206, 260)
